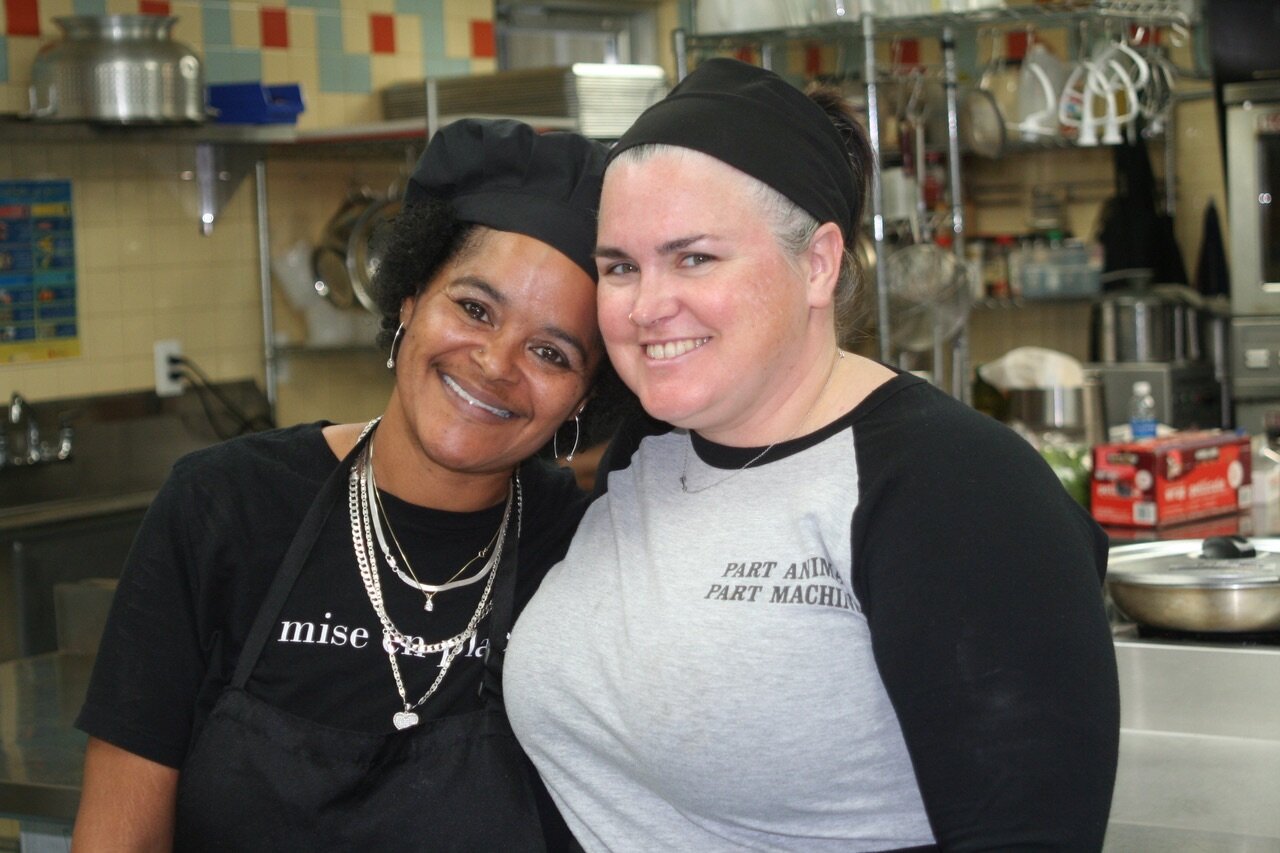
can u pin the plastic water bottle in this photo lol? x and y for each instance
(1142, 411)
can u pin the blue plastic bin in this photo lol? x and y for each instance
(254, 103)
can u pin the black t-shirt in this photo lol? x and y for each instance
(206, 554)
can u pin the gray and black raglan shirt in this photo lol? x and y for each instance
(886, 634)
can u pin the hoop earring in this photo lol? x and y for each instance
(395, 344)
(577, 434)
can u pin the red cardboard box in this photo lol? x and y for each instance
(1158, 481)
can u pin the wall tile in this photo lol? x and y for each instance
(102, 289)
(384, 70)
(246, 27)
(108, 377)
(22, 17)
(215, 23)
(432, 29)
(275, 69)
(232, 65)
(468, 9)
(382, 34)
(90, 7)
(134, 249)
(22, 53)
(302, 29)
(97, 248)
(139, 372)
(303, 68)
(356, 38)
(50, 9)
(190, 27)
(457, 37)
(328, 32)
(274, 23)
(331, 73)
(408, 34)
(482, 39)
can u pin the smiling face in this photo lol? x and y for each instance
(498, 351)
(704, 316)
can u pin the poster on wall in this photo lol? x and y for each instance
(37, 272)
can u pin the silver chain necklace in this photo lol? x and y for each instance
(684, 468)
(393, 639)
(429, 591)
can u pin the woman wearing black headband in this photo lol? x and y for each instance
(305, 653)
(816, 604)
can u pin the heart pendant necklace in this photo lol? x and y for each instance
(394, 641)
(405, 719)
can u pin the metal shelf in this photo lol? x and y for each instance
(865, 30)
(386, 138)
(1153, 12)
(15, 129)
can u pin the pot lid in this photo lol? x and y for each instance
(1220, 562)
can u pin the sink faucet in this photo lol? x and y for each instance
(18, 407)
(24, 427)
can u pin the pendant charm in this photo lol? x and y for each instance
(429, 606)
(405, 719)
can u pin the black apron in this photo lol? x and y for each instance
(259, 778)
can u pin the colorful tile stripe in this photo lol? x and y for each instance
(275, 27)
(382, 32)
(482, 40)
(316, 40)
(22, 17)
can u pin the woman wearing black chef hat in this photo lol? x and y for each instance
(306, 646)
(817, 605)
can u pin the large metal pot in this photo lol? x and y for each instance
(1135, 327)
(123, 69)
(1223, 584)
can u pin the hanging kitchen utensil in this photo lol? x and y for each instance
(929, 297)
(979, 123)
(333, 279)
(1000, 78)
(981, 126)
(366, 247)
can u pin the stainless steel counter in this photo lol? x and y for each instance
(72, 509)
(1199, 748)
(41, 754)
(1199, 745)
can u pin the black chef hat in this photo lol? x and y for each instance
(505, 175)
(760, 124)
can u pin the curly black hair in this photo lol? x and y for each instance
(420, 242)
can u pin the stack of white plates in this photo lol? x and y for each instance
(603, 100)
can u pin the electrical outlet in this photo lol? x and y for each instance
(167, 383)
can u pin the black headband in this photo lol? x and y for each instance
(760, 124)
(505, 175)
